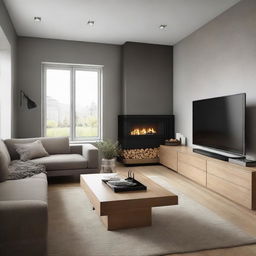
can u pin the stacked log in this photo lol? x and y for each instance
(140, 153)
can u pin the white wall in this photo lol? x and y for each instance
(5, 88)
(218, 59)
(7, 29)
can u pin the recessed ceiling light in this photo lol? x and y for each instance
(90, 22)
(162, 26)
(37, 19)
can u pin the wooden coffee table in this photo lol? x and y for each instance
(125, 209)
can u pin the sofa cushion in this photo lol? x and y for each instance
(31, 150)
(38, 176)
(4, 161)
(24, 189)
(58, 145)
(62, 162)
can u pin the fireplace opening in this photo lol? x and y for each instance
(141, 135)
(143, 131)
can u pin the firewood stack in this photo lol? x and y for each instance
(140, 153)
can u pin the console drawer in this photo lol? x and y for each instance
(169, 157)
(234, 192)
(192, 173)
(230, 173)
(193, 160)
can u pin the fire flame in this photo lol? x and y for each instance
(143, 131)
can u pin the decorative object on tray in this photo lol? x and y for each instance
(172, 142)
(109, 151)
(118, 184)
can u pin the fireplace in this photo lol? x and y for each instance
(144, 131)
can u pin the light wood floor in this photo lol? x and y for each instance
(238, 215)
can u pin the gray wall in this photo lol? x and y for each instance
(8, 29)
(218, 59)
(147, 79)
(33, 51)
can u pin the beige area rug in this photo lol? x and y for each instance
(76, 230)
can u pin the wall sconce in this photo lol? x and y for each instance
(30, 103)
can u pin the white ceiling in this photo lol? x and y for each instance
(116, 21)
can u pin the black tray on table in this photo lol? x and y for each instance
(138, 187)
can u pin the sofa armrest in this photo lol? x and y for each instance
(90, 152)
(23, 221)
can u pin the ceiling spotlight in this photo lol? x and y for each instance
(90, 23)
(37, 19)
(162, 26)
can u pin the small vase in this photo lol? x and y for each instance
(108, 165)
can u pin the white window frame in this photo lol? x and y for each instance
(73, 68)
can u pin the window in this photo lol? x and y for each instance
(72, 101)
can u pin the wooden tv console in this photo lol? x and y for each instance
(235, 182)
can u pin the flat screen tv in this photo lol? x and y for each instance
(219, 123)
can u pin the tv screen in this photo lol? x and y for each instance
(219, 123)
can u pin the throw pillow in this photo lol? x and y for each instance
(30, 151)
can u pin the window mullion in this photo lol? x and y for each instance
(99, 114)
(72, 105)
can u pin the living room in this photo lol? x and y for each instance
(100, 98)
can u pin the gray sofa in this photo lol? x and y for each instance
(64, 159)
(23, 202)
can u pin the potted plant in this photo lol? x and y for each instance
(109, 152)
